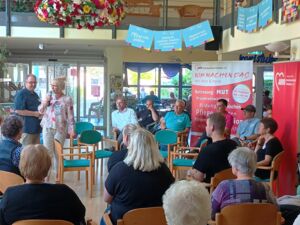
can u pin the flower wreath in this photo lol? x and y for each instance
(81, 13)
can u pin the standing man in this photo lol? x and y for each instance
(213, 158)
(121, 117)
(221, 108)
(26, 105)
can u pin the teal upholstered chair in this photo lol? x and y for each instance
(79, 128)
(168, 138)
(82, 162)
(93, 138)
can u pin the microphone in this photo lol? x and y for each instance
(50, 95)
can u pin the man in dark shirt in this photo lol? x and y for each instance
(148, 116)
(26, 105)
(213, 158)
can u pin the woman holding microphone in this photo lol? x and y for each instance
(58, 120)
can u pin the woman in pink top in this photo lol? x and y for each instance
(58, 119)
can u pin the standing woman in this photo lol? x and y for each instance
(58, 119)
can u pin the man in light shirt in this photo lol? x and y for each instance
(121, 117)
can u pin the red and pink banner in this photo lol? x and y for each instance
(286, 110)
(230, 80)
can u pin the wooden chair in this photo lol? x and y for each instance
(93, 138)
(249, 214)
(219, 177)
(169, 138)
(8, 179)
(144, 216)
(182, 158)
(42, 222)
(79, 128)
(274, 170)
(83, 163)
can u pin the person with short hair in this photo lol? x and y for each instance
(267, 147)
(121, 117)
(36, 199)
(148, 115)
(140, 180)
(244, 188)
(10, 147)
(221, 108)
(120, 155)
(26, 104)
(213, 158)
(58, 120)
(187, 202)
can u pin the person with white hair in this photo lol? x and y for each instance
(140, 180)
(187, 202)
(243, 189)
(58, 120)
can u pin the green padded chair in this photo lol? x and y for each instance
(79, 128)
(93, 138)
(166, 137)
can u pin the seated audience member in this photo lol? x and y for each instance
(120, 155)
(176, 120)
(187, 202)
(213, 158)
(267, 147)
(147, 116)
(247, 130)
(121, 117)
(10, 147)
(243, 189)
(297, 220)
(172, 100)
(221, 107)
(140, 180)
(151, 97)
(268, 112)
(36, 199)
(267, 101)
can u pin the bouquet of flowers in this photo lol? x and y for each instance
(81, 13)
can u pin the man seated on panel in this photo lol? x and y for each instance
(148, 116)
(247, 130)
(121, 117)
(213, 158)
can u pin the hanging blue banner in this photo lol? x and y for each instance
(166, 41)
(241, 20)
(197, 35)
(139, 37)
(265, 13)
(251, 19)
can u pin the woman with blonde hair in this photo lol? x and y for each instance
(58, 120)
(140, 180)
(36, 199)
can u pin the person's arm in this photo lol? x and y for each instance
(133, 117)
(28, 113)
(265, 162)
(163, 123)
(196, 175)
(70, 117)
(229, 124)
(16, 155)
(107, 197)
(154, 114)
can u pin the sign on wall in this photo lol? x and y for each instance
(139, 37)
(230, 80)
(265, 14)
(167, 40)
(241, 21)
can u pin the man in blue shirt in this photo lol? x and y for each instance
(26, 105)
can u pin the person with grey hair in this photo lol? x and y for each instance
(140, 180)
(26, 104)
(58, 120)
(187, 202)
(120, 155)
(10, 147)
(243, 189)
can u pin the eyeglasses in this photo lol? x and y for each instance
(31, 82)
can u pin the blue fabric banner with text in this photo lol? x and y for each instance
(241, 20)
(140, 37)
(251, 19)
(265, 13)
(166, 41)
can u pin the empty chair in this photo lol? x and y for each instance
(166, 137)
(8, 179)
(219, 177)
(79, 128)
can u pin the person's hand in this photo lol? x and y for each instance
(261, 141)
(73, 134)
(115, 129)
(37, 114)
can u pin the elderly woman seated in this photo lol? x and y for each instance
(187, 202)
(10, 147)
(36, 199)
(243, 189)
(140, 180)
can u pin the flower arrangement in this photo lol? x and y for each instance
(81, 13)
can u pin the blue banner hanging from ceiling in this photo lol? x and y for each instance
(241, 21)
(139, 37)
(251, 19)
(197, 35)
(265, 13)
(166, 41)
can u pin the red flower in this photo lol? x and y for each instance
(111, 1)
(89, 26)
(60, 22)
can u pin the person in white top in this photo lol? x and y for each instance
(121, 117)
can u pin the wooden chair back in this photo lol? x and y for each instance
(219, 177)
(249, 214)
(144, 216)
(191, 11)
(42, 222)
(8, 179)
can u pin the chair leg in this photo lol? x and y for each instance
(62, 177)
(78, 175)
(91, 182)
(86, 180)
